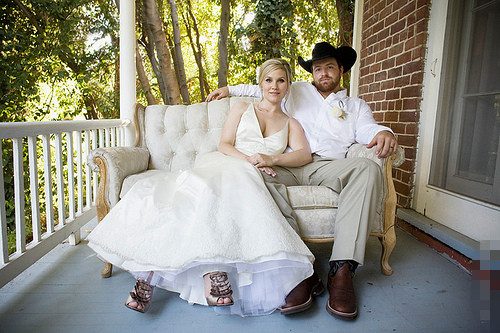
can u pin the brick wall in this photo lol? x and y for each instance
(392, 56)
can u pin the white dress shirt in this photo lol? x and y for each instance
(330, 124)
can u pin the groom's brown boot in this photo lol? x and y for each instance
(342, 301)
(300, 298)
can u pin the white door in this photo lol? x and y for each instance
(458, 176)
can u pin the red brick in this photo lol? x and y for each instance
(390, 105)
(375, 68)
(421, 26)
(396, 49)
(378, 26)
(394, 72)
(411, 128)
(407, 140)
(409, 44)
(399, 105)
(402, 81)
(364, 71)
(412, 67)
(398, 127)
(401, 188)
(408, 116)
(399, 4)
(389, 63)
(374, 87)
(423, 3)
(379, 96)
(391, 19)
(380, 76)
(382, 55)
(379, 6)
(398, 26)
(410, 103)
(418, 53)
(392, 94)
(388, 84)
(383, 34)
(403, 58)
(391, 116)
(411, 91)
(372, 40)
(422, 13)
(417, 78)
(378, 116)
(411, 19)
(407, 10)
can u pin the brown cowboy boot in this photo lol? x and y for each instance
(342, 301)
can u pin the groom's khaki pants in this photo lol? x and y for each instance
(359, 184)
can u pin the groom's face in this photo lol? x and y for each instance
(326, 74)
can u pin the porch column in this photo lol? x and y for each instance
(127, 67)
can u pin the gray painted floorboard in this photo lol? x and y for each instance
(63, 292)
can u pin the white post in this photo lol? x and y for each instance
(127, 67)
(356, 44)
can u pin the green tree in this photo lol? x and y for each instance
(48, 51)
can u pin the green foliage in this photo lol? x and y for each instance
(44, 46)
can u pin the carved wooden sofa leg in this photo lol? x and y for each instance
(388, 241)
(388, 236)
(102, 207)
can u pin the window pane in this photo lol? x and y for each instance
(480, 135)
(484, 56)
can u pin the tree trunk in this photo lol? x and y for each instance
(146, 41)
(169, 79)
(178, 59)
(345, 12)
(143, 78)
(196, 49)
(225, 18)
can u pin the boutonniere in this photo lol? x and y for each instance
(338, 111)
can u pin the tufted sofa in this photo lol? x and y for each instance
(170, 138)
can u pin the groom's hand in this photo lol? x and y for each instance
(386, 144)
(218, 94)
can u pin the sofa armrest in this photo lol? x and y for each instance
(359, 150)
(114, 164)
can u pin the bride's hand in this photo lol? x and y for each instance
(270, 171)
(260, 160)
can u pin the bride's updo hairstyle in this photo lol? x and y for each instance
(271, 65)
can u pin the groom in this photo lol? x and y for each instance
(332, 121)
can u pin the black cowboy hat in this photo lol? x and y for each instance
(345, 56)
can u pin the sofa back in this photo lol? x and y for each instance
(176, 135)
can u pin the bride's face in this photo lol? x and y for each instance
(274, 86)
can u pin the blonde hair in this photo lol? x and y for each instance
(271, 65)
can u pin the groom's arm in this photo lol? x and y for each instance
(239, 90)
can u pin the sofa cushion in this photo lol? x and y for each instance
(176, 135)
(312, 197)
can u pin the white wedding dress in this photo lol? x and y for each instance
(217, 216)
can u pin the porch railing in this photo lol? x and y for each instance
(59, 195)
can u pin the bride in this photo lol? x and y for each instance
(213, 234)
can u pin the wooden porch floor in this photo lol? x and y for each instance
(63, 292)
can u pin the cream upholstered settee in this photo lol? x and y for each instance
(172, 137)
